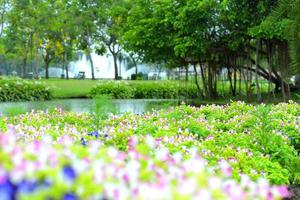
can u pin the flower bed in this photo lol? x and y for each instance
(218, 152)
(41, 169)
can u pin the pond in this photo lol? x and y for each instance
(137, 106)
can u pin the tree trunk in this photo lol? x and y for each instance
(24, 63)
(240, 81)
(89, 56)
(284, 61)
(204, 80)
(215, 79)
(187, 73)
(47, 69)
(248, 75)
(196, 81)
(245, 82)
(159, 71)
(66, 65)
(230, 80)
(275, 80)
(31, 54)
(223, 79)
(288, 91)
(212, 85)
(259, 97)
(134, 63)
(283, 90)
(120, 65)
(115, 65)
(234, 81)
(67, 71)
(270, 68)
(47, 61)
(136, 69)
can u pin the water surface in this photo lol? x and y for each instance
(137, 106)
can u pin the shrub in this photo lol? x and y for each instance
(144, 90)
(115, 89)
(15, 89)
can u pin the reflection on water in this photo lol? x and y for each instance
(137, 106)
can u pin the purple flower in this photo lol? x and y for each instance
(45, 183)
(7, 190)
(27, 186)
(94, 133)
(70, 196)
(69, 173)
(83, 142)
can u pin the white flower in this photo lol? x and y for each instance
(150, 141)
(162, 154)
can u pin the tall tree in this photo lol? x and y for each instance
(114, 14)
(21, 21)
(88, 16)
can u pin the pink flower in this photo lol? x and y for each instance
(210, 137)
(132, 142)
(126, 178)
(283, 191)
(226, 168)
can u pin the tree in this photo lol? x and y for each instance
(114, 14)
(288, 13)
(87, 22)
(49, 32)
(148, 32)
(21, 28)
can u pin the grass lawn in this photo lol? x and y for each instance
(74, 88)
(70, 88)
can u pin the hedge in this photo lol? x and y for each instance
(16, 89)
(144, 90)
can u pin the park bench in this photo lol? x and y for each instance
(80, 75)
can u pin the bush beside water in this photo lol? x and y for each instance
(15, 89)
(145, 90)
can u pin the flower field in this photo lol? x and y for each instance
(236, 151)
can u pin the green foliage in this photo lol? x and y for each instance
(102, 107)
(116, 90)
(13, 89)
(256, 140)
(269, 29)
(211, 33)
(15, 111)
(283, 24)
(144, 90)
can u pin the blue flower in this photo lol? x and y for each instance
(83, 142)
(27, 186)
(7, 190)
(94, 133)
(69, 173)
(70, 196)
(45, 183)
